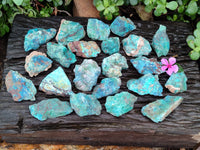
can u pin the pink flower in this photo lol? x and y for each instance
(169, 65)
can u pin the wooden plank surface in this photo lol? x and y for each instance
(180, 129)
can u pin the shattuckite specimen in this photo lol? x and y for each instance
(111, 45)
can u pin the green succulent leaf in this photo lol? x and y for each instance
(159, 10)
(119, 3)
(190, 41)
(194, 55)
(95, 2)
(197, 49)
(17, 2)
(197, 33)
(133, 2)
(109, 16)
(112, 9)
(197, 42)
(106, 3)
(148, 8)
(198, 25)
(181, 9)
(100, 6)
(192, 8)
(172, 5)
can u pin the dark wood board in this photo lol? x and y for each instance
(180, 129)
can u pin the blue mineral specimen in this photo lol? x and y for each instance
(50, 108)
(56, 83)
(61, 54)
(86, 75)
(113, 65)
(177, 82)
(70, 31)
(158, 110)
(147, 84)
(120, 103)
(108, 86)
(97, 30)
(20, 87)
(121, 26)
(36, 37)
(135, 45)
(145, 65)
(160, 42)
(37, 62)
(111, 45)
(84, 49)
(85, 105)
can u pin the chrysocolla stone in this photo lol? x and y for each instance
(113, 65)
(177, 82)
(120, 103)
(84, 49)
(70, 31)
(61, 54)
(160, 42)
(97, 29)
(85, 105)
(135, 45)
(158, 110)
(86, 75)
(145, 65)
(20, 87)
(108, 86)
(50, 108)
(37, 62)
(121, 26)
(147, 84)
(56, 83)
(38, 36)
(111, 45)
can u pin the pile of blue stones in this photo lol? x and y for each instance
(69, 45)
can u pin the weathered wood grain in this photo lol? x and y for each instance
(177, 130)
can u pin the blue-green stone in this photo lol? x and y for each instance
(158, 110)
(111, 45)
(85, 105)
(50, 108)
(147, 84)
(160, 42)
(61, 54)
(120, 103)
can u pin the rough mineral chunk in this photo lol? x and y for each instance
(56, 83)
(135, 45)
(97, 30)
(121, 26)
(147, 84)
(108, 86)
(160, 42)
(86, 75)
(36, 37)
(120, 103)
(20, 87)
(158, 110)
(84, 49)
(145, 65)
(111, 45)
(177, 82)
(37, 62)
(50, 108)
(61, 54)
(113, 65)
(85, 105)
(70, 31)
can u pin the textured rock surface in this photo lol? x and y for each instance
(120, 103)
(50, 108)
(56, 83)
(37, 62)
(177, 82)
(61, 54)
(108, 86)
(145, 65)
(135, 45)
(111, 45)
(158, 110)
(85, 105)
(69, 31)
(20, 87)
(84, 49)
(97, 29)
(147, 84)
(38, 36)
(113, 65)
(122, 26)
(86, 75)
(160, 42)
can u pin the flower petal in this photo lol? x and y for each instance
(164, 61)
(169, 71)
(174, 68)
(172, 60)
(163, 68)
